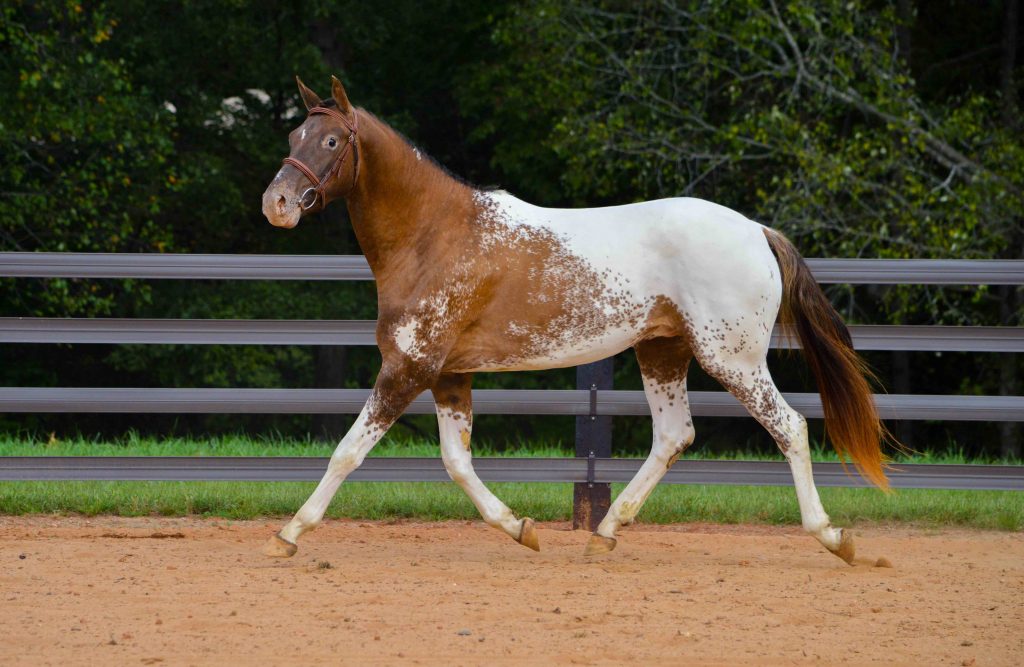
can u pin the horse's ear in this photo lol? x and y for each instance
(309, 98)
(338, 93)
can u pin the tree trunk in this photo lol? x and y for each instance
(901, 358)
(905, 13)
(327, 38)
(1008, 63)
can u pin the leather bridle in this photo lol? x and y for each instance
(320, 184)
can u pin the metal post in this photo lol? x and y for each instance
(590, 501)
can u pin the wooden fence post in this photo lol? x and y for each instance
(590, 501)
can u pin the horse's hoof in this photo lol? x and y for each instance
(528, 535)
(846, 549)
(278, 547)
(599, 544)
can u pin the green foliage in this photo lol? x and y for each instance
(89, 161)
(155, 126)
(800, 114)
(514, 100)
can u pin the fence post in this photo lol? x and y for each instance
(590, 501)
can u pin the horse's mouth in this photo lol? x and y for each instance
(284, 223)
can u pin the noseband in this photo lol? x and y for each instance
(320, 184)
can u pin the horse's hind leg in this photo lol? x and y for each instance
(750, 382)
(453, 398)
(663, 364)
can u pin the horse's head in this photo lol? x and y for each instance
(324, 160)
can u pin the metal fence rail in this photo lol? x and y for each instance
(354, 267)
(574, 402)
(361, 332)
(409, 469)
(183, 266)
(592, 408)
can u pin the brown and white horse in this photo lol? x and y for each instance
(470, 280)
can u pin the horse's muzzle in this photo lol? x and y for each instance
(279, 210)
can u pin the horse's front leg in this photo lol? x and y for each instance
(397, 385)
(455, 423)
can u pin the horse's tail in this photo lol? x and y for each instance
(851, 420)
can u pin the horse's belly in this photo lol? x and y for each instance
(543, 352)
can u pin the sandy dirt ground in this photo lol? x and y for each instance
(118, 591)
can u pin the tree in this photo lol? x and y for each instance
(804, 115)
(88, 159)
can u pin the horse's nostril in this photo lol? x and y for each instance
(281, 202)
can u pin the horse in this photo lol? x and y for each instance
(473, 280)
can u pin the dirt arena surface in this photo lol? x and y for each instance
(119, 591)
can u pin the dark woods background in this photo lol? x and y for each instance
(872, 129)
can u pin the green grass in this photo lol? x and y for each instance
(1000, 510)
(133, 445)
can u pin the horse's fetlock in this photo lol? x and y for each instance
(817, 527)
(305, 521)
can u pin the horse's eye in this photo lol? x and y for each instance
(332, 142)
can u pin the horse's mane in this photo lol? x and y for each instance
(329, 103)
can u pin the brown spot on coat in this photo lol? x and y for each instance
(664, 360)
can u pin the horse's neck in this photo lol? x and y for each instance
(403, 202)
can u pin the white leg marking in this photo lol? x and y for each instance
(812, 513)
(348, 456)
(673, 433)
(455, 429)
(752, 384)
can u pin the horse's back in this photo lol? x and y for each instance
(568, 286)
(684, 248)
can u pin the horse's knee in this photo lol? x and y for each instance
(458, 469)
(345, 462)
